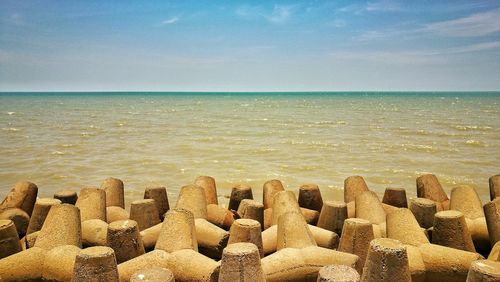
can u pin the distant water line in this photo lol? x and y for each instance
(74, 140)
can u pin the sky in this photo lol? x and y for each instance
(249, 45)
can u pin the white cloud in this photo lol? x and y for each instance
(374, 6)
(478, 24)
(169, 21)
(279, 14)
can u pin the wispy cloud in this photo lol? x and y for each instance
(478, 24)
(278, 15)
(374, 6)
(169, 21)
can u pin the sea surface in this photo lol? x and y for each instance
(74, 140)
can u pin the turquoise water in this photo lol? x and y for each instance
(75, 140)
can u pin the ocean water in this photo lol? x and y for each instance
(74, 140)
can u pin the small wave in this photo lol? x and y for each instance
(477, 143)
(58, 153)
(10, 113)
(10, 129)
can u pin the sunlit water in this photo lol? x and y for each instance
(62, 141)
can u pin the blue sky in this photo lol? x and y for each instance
(249, 45)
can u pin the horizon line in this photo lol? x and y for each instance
(257, 92)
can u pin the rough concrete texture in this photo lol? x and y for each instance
(268, 218)
(20, 218)
(30, 239)
(416, 263)
(368, 207)
(66, 196)
(160, 196)
(351, 209)
(395, 197)
(388, 208)
(310, 197)
(332, 216)
(443, 264)
(494, 182)
(492, 214)
(387, 260)
(337, 273)
(292, 264)
(92, 204)
(310, 216)
(211, 238)
(59, 263)
(192, 198)
(284, 201)
(62, 227)
(241, 262)
(402, 226)
(94, 233)
(155, 258)
(23, 266)
(428, 187)
(9, 239)
(269, 189)
(423, 209)
(450, 230)
(293, 232)
(150, 236)
(188, 265)
(115, 213)
(95, 264)
(247, 231)
(356, 237)
(22, 196)
(124, 238)
(144, 212)
(153, 274)
(220, 216)
(354, 186)
(238, 194)
(484, 271)
(208, 184)
(251, 209)
(114, 192)
(465, 199)
(177, 232)
(40, 211)
(495, 252)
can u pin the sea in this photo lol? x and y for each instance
(73, 140)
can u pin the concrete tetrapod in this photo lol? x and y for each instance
(66, 196)
(188, 265)
(211, 238)
(116, 213)
(114, 192)
(23, 266)
(387, 260)
(153, 274)
(241, 262)
(59, 263)
(332, 216)
(246, 231)
(220, 216)
(311, 216)
(368, 207)
(450, 230)
(354, 186)
(494, 182)
(395, 197)
(251, 209)
(40, 211)
(94, 233)
(338, 273)
(293, 232)
(495, 252)
(356, 237)
(484, 271)
(310, 197)
(21, 196)
(155, 258)
(428, 187)
(144, 212)
(402, 226)
(92, 204)
(9, 240)
(492, 213)
(160, 196)
(19, 217)
(269, 189)
(124, 238)
(423, 209)
(177, 232)
(208, 184)
(95, 264)
(291, 264)
(192, 198)
(284, 201)
(62, 227)
(238, 194)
